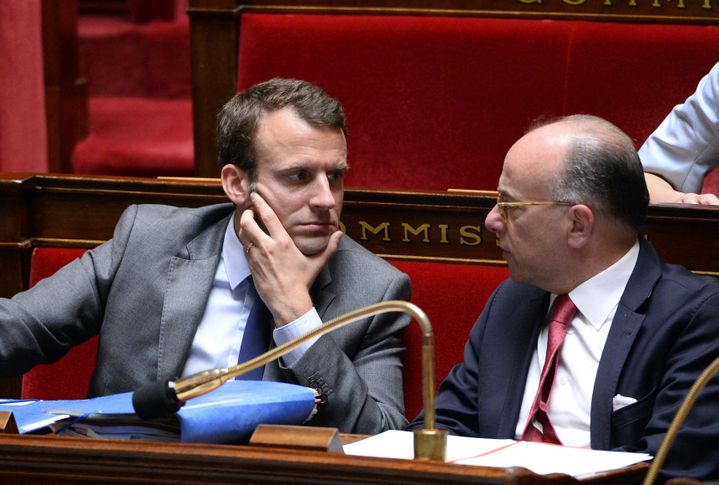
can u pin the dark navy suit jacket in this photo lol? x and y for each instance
(664, 333)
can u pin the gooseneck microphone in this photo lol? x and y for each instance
(156, 400)
(165, 398)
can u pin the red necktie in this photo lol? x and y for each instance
(538, 427)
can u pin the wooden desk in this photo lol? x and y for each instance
(51, 459)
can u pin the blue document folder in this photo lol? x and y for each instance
(227, 414)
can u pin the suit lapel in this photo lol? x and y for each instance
(625, 326)
(189, 281)
(321, 296)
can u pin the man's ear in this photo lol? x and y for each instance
(236, 185)
(582, 219)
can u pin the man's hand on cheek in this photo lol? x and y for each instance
(281, 273)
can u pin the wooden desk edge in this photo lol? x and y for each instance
(101, 460)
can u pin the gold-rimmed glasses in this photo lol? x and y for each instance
(504, 206)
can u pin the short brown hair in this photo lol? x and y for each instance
(239, 118)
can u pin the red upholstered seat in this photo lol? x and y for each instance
(634, 74)
(452, 296)
(69, 377)
(118, 145)
(431, 102)
(435, 102)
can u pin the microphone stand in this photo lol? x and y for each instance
(166, 397)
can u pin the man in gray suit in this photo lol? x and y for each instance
(174, 290)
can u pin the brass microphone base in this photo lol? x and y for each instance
(430, 444)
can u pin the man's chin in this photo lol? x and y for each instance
(312, 247)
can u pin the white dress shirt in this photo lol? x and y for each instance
(219, 336)
(570, 401)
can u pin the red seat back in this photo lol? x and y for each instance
(452, 296)
(69, 377)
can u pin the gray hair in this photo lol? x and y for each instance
(603, 170)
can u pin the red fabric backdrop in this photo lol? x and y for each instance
(435, 102)
(23, 140)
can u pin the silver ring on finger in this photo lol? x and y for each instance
(249, 246)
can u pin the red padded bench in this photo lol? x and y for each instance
(435, 102)
(69, 377)
(452, 296)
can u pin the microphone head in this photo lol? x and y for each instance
(156, 400)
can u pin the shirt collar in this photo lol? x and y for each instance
(610, 284)
(233, 255)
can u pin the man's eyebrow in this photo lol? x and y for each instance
(301, 165)
(502, 192)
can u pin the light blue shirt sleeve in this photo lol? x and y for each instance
(306, 323)
(685, 146)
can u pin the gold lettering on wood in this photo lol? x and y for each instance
(706, 4)
(443, 232)
(374, 230)
(470, 235)
(424, 228)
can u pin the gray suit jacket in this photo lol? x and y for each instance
(145, 291)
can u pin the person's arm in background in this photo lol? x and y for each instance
(685, 147)
(661, 191)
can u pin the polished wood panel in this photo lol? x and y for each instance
(213, 52)
(50, 459)
(66, 107)
(74, 210)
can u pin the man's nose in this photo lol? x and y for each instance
(494, 221)
(323, 198)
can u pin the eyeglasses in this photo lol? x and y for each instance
(505, 206)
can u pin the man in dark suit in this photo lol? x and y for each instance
(572, 200)
(176, 290)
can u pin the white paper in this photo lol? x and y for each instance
(400, 444)
(540, 458)
(543, 458)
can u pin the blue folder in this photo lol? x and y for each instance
(226, 415)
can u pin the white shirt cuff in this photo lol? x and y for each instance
(306, 323)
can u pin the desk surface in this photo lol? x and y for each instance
(72, 460)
